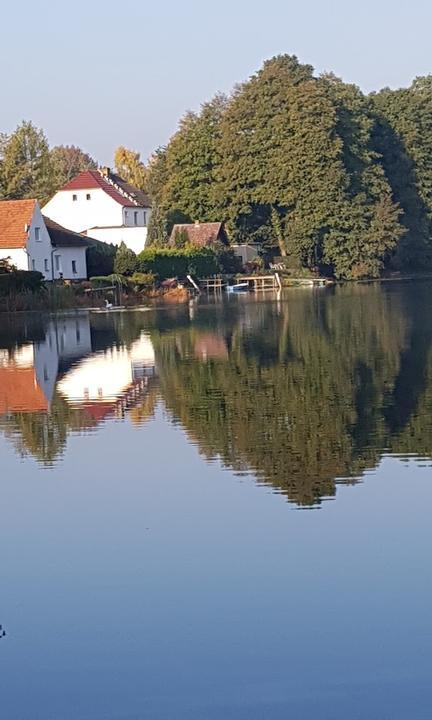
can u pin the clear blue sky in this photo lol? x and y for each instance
(100, 73)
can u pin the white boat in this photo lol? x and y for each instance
(239, 287)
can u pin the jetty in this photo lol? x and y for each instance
(255, 282)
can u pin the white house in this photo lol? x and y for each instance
(32, 243)
(100, 204)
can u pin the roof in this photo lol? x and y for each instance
(15, 215)
(61, 237)
(142, 199)
(20, 392)
(201, 234)
(93, 179)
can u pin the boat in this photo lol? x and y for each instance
(239, 287)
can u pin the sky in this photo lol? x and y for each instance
(104, 73)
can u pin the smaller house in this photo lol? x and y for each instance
(247, 252)
(32, 242)
(69, 252)
(199, 234)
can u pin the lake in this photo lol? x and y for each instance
(219, 510)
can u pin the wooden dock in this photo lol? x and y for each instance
(213, 284)
(256, 282)
(263, 282)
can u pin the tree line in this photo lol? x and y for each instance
(333, 178)
(308, 166)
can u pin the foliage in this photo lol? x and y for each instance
(17, 281)
(66, 162)
(403, 136)
(295, 161)
(143, 280)
(125, 262)
(173, 262)
(25, 165)
(157, 233)
(100, 258)
(130, 167)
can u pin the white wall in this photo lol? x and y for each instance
(142, 216)
(65, 256)
(39, 250)
(81, 214)
(134, 237)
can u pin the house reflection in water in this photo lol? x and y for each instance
(58, 384)
(111, 381)
(28, 374)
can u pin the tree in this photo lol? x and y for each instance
(25, 169)
(130, 167)
(404, 139)
(100, 258)
(183, 177)
(125, 262)
(157, 233)
(68, 161)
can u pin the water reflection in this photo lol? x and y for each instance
(304, 393)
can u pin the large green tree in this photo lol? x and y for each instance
(25, 165)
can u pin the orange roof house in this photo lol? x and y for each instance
(29, 244)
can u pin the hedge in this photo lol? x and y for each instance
(175, 262)
(20, 281)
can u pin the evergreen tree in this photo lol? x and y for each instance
(125, 262)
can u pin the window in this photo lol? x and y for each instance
(135, 218)
(37, 234)
(33, 264)
(126, 217)
(58, 262)
(74, 267)
(74, 198)
(145, 218)
(88, 196)
(46, 265)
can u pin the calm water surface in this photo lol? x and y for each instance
(219, 511)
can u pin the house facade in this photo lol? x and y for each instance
(32, 243)
(100, 204)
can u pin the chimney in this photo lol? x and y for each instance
(105, 172)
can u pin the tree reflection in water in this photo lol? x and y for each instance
(304, 393)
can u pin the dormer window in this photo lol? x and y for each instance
(74, 198)
(88, 196)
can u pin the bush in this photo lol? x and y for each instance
(100, 258)
(142, 280)
(125, 262)
(174, 262)
(19, 281)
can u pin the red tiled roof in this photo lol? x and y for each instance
(201, 234)
(14, 216)
(92, 179)
(20, 392)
